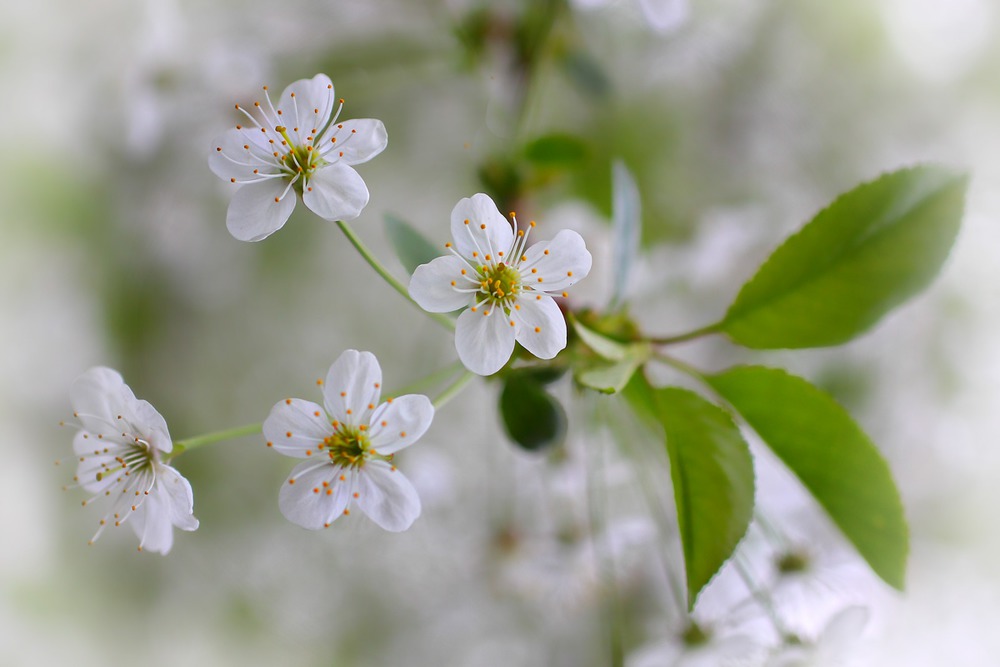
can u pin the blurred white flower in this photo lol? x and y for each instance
(697, 646)
(663, 16)
(349, 443)
(298, 144)
(833, 646)
(118, 448)
(506, 286)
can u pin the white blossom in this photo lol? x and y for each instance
(119, 449)
(297, 145)
(348, 445)
(832, 648)
(505, 285)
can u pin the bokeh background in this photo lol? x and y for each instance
(739, 120)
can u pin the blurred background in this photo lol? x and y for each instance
(739, 119)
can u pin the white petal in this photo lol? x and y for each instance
(567, 261)
(433, 285)
(254, 214)
(478, 227)
(236, 153)
(309, 109)
(387, 497)
(357, 140)
(352, 387)
(96, 399)
(845, 628)
(400, 423)
(664, 15)
(91, 464)
(314, 495)
(484, 342)
(151, 523)
(335, 192)
(541, 327)
(305, 421)
(175, 493)
(145, 421)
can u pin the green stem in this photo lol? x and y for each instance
(648, 491)
(380, 269)
(685, 368)
(762, 598)
(452, 389)
(182, 446)
(432, 380)
(690, 335)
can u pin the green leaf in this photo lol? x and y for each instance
(606, 348)
(712, 474)
(817, 439)
(869, 251)
(626, 227)
(626, 358)
(412, 248)
(609, 378)
(556, 150)
(533, 418)
(585, 73)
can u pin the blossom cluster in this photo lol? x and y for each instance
(299, 148)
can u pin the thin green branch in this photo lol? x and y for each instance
(380, 269)
(182, 446)
(761, 596)
(690, 335)
(452, 390)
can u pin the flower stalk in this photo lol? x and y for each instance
(380, 269)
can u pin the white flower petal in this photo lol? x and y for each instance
(314, 495)
(567, 261)
(845, 627)
(144, 421)
(352, 384)
(400, 423)
(306, 105)
(305, 421)
(479, 229)
(151, 523)
(236, 153)
(387, 497)
(541, 327)
(357, 140)
(484, 342)
(433, 285)
(335, 192)
(96, 399)
(174, 491)
(93, 460)
(254, 214)
(664, 15)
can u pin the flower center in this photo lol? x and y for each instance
(347, 447)
(301, 160)
(500, 283)
(137, 455)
